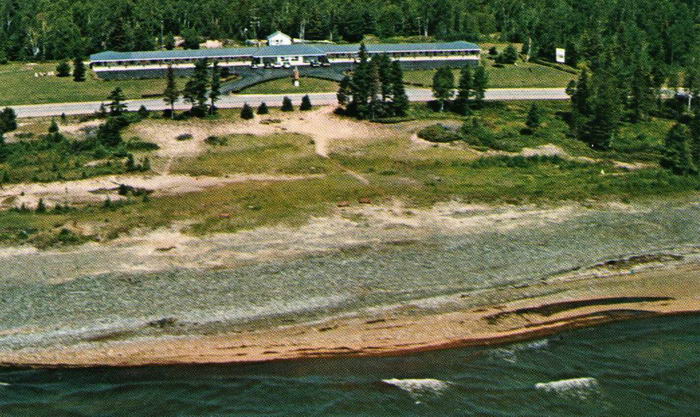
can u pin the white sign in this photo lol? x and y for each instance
(561, 55)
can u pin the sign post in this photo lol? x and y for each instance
(561, 55)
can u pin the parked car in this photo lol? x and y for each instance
(315, 64)
(277, 65)
(287, 65)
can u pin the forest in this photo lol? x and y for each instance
(62, 29)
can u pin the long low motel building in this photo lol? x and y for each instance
(284, 56)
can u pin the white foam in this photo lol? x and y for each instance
(510, 354)
(418, 386)
(579, 387)
(4, 384)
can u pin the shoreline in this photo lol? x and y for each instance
(574, 302)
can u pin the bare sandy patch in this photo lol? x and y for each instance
(99, 189)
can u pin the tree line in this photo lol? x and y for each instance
(63, 29)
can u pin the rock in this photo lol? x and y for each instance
(344, 204)
(364, 200)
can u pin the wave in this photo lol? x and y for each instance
(418, 386)
(509, 354)
(578, 387)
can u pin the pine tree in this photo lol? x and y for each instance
(53, 128)
(361, 85)
(481, 82)
(344, 94)
(143, 112)
(215, 89)
(78, 69)
(465, 89)
(262, 109)
(247, 112)
(63, 69)
(695, 138)
(169, 41)
(116, 106)
(171, 93)
(677, 155)
(305, 103)
(533, 117)
(375, 90)
(400, 101)
(192, 39)
(642, 88)
(599, 129)
(443, 86)
(196, 89)
(509, 55)
(8, 120)
(41, 206)
(287, 104)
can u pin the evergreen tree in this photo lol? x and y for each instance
(116, 106)
(361, 85)
(599, 129)
(344, 94)
(169, 41)
(262, 108)
(642, 96)
(63, 69)
(443, 86)
(400, 101)
(53, 128)
(287, 104)
(109, 132)
(305, 103)
(195, 91)
(534, 117)
(677, 155)
(192, 39)
(41, 206)
(8, 120)
(171, 94)
(215, 89)
(375, 89)
(508, 56)
(695, 138)
(247, 112)
(481, 82)
(143, 112)
(465, 89)
(78, 69)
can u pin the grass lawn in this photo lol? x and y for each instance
(522, 75)
(284, 86)
(19, 86)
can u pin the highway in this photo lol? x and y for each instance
(237, 100)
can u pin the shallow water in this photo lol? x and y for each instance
(641, 368)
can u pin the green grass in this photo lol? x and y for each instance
(285, 86)
(522, 75)
(19, 86)
(396, 170)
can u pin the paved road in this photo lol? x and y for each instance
(237, 100)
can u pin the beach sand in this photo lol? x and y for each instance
(578, 300)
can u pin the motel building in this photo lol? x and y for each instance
(280, 53)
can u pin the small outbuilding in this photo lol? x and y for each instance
(279, 38)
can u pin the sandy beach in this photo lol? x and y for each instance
(573, 302)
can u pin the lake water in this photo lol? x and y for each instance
(639, 368)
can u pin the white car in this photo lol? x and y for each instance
(277, 65)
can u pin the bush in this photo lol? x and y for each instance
(493, 51)
(247, 112)
(143, 112)
(305, 103)
(508, 56)
(63, 69)
(136, 144)
(184, 136)
(287, 104)
(438, 133)
(262, 109)
(216, 141)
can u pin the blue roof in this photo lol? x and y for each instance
(284, 50)
(281, 50)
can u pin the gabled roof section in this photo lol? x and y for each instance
(278, 33)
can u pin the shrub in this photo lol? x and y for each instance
(143, 112)
(216, 141)
(247, 112)
(136, 144)
(287, 104)
(184, 136)
(63, 69)
(438, 133)
(493, 51)
(262, 109)
(305, 103)
(508, 56)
